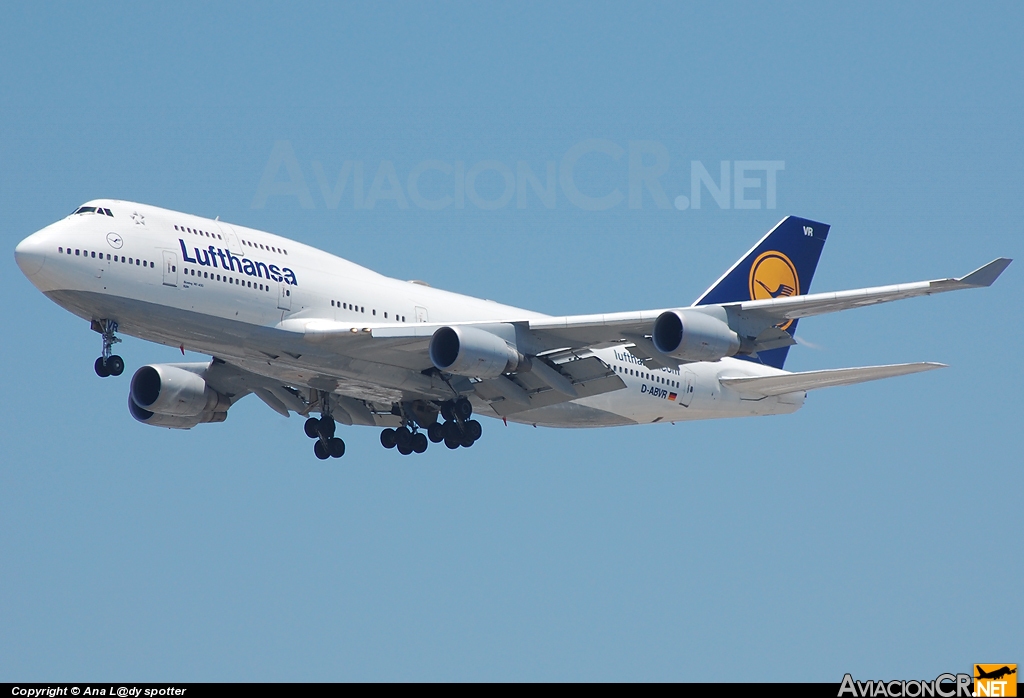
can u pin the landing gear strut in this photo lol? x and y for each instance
(327, 444)
(108, 364)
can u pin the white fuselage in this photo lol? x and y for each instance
(229, 291)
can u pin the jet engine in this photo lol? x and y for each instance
(693, 336)
(472, 352)
(175, 396)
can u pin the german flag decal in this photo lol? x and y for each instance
(671, 396)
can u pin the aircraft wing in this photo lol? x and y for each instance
(753, 319)
(582, 332)
(764, 386)
(561, 340)
(779, 310)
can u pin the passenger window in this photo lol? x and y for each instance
(76, 253)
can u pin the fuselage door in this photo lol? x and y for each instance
(230, 239)
(687, 387)
(284, 296)
(421, 314)
(170, 268)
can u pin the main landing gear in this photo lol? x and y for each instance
(457, 430)
(108, 364)
(327, 444)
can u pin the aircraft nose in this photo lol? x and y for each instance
(30, 255)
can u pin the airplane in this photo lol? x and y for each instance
(314, 334)
(996, 674)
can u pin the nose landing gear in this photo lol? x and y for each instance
(108, 364)
(327, 444)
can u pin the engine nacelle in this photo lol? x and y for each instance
(692, 336)
(170, 421)
(167, 390)
(472, 352)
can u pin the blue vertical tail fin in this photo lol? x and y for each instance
(782, 263)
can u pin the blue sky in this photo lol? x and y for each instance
(872, 532)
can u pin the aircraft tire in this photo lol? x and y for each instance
(336, 447)
(101, 368)
(320, 450)
(447, 411)
(310, 428)
(387, 438)
(403, 437)
(419, 442)
(326, 427)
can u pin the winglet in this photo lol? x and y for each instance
(986, 275)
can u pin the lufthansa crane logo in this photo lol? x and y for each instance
(773, 275)
(114, 240)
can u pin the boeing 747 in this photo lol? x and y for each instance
(311, 333)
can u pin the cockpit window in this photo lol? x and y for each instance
(94, 209)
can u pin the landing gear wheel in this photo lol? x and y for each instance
(387, 438)
(452, 442)
(115, 364)
(463, 409)
(447, 412)
(467, 441)
(325, 430)
(403, 439)
(336, 447)
(419, 442)
(321, 451)
(473, 429)
(311, 428)
(451, 430)
(435, 432)
(101, 368)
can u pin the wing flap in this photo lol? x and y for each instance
(764, 386)
(589, 377)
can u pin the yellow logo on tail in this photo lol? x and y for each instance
(773, 275)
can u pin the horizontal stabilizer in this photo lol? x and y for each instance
(764, 386)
